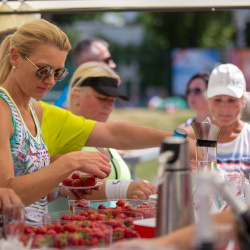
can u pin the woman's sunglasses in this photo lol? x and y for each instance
(46, 71)
(195, 91)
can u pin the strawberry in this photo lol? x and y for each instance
(39, 241)
(100, 217)
(120, 203)
(88, 181)
(67, 181)
(75, 176)
(66, 217)
(40, 230)
(93, 241)
(61, 240)
(118, 234)
(76, 239)
(51, 231)
(92, 217)
(56, 227)
(101, 206)
(69, 227)
(29, 229)
(76, 183)
(116, 211)
(129, 233)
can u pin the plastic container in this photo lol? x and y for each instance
(146, 227)
(139, 206)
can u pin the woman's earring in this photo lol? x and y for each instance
(13, 67)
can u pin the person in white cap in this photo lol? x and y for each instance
(226, 95)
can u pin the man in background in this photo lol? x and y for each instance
(87, 50)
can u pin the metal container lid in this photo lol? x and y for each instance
(174, 154)
(205, 131)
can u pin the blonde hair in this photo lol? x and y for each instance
(89, 69)
(27, 39)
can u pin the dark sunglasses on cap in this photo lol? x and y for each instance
(46, 71)
(195, 91)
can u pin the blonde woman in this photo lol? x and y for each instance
(32, 61)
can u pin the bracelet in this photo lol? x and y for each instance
(57, 193)
(117, 189)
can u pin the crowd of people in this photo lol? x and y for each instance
(42, 144)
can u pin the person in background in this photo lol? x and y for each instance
(87, 50)
(196, 97)
(32, 61)
(226, 95)
(93, 92)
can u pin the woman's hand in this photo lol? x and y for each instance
(8, 197)
(140, 190)
(94, 163)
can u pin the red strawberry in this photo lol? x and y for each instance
(118, 234)
(61, 240)
(93, 241)
(56, 227)
(92, 217)
(66, 217)
(88, 181)
(101, 206)
(116, 211)
(76, 183)
(51, 231)
(120, 203)
(67, 181)
(40, 230)
(29, 229)
(100, 217)
(76, 239)
(129, 233)
(39, 241)
(69, 227)
(75, 176)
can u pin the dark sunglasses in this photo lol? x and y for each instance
(195, 91)
(46, 71)
(107, 60)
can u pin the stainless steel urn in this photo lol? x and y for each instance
(175, 199)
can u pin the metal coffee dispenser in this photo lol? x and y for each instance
(206, 135)
(175, 200)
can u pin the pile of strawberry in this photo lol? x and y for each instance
(72, 233)
(146, 210)
(78, 180)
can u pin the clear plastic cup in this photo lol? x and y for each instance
(14, 220)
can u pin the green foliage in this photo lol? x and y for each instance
(189, 29)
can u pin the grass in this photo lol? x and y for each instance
(154, 118)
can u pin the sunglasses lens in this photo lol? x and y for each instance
(197, 91)
(44, 72)
(60, 74)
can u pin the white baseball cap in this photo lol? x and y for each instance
(226, 79)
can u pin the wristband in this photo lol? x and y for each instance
(57, 193)
(117, 189)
